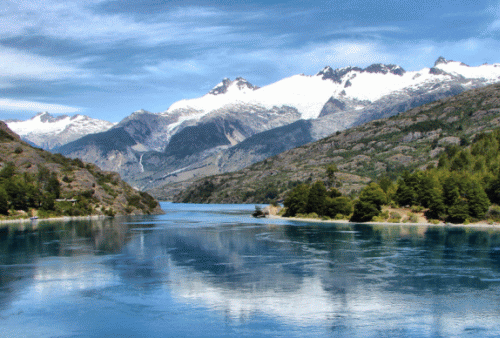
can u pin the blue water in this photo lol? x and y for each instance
(214, 271)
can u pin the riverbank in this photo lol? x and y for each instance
(483, 224)
(6, 222)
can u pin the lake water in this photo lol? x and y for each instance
(214, 271)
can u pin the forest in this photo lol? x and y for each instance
(462, 186)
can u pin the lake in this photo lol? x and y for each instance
(214, 271)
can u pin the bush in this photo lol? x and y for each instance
(412, 218)
(394, 217)
(417, 208)
(494, 213)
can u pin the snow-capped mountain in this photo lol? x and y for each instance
(201, 136)
(309, 94)
(48, 132)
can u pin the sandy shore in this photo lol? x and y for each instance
(314, 220)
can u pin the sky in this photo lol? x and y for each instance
(109, 58)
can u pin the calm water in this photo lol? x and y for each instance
(214, 271)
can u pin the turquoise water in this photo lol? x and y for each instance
(214, 271)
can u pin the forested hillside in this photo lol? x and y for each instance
(36, 182)
(386, 147)
(461, 187)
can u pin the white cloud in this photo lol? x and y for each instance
(33, 106)
(18, 64)
(75, 20)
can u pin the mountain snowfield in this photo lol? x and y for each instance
(308, 94)
(48, 132)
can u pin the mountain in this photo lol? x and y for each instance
(32, 178)
(49, 132)
(384, 147)
(234, 125)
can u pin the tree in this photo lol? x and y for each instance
(338, 205)
(477, 199)
(459, 211)
(296, 201)
(4, 200)
(405, 195)
(364, 211)
(331, 170)
(370, 203)
(436, 206)
(316, 198)
(374, 194)
(8, 170)
(53, 186)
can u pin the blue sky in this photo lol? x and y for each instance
(107, 59)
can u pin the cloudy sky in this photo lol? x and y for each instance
(108, 58)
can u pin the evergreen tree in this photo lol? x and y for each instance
(364, 211)
(477, 199)
(4, 202)
(459, 211)
(338, 205)
(370, 203)
(436, 205)
(374, 194)
(405, 195)
(8, 171)
(53, 186)
(331, 170)
(316, 198)
(296, 201)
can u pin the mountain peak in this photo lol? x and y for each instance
(337, 74)
(441, 60)
(240, 83)
(384, 69)
(46, 117)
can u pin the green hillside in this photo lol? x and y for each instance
(37, 182)
(385, 147)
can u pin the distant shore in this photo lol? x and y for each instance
(441, 224)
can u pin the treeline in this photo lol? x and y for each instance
(460, 188)
(25, 191)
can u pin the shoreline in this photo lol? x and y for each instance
(481, 225)
(6, 222)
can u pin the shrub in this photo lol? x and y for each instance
(417, 208)
(494, 213)
(412, 218)
(394, 217)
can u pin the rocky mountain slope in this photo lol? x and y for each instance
(49, 132)
(234, 124)
(383, 147)
(81, 188)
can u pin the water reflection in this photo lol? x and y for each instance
(260, 276)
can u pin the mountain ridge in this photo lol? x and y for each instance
(235, 110)
(49, 132)
(388, 146)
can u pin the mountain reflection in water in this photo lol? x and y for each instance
(205, 270)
